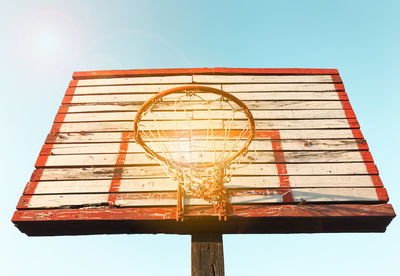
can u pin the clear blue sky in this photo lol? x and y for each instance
(43, 42)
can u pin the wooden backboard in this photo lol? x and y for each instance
(313, 173)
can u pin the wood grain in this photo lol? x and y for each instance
(263, 196)
(136, 80)
(198, 115)
(207, 254)
(315, 218)
(261, 79)
(151, 88)
(250, 170)
(115, 137)
(243, 96)
(138, 159)
(202, 124)
(259, 144)
(207, 79)
(185, 71)
(166, 184)
(252, 105)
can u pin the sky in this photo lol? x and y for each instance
(44, 42)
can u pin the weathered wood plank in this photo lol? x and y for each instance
(262, 196)
(249, 170)
(202, 124)
(196, 114)
(137, 80)
(256, 144)
(280, 87)
(186, 71)
(208, 79)
(122, 89)
(243, 96)
(269, 87)
(261, 79)
(331, 217)
(134, 159)
(296, 124)
(252, 105)
(313, 211)
(115, 137)
(167, 184)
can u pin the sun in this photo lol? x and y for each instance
(48, 38)
(48, 41)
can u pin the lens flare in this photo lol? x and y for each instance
(49, 38)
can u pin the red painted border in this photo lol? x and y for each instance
(245, 211)
(362, 145)
(42, 159)
(81, 75)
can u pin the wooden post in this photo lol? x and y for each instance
(207, 254)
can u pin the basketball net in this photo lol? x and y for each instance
(199, 136)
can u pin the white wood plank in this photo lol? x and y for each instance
(269, 87)
(300, 181)
(201, 124)
(99, 137)
(133, 159)
(249, 170)
(266, 96)
(257, 144)
(272, 114)
(260, 78)
(293, 124)
(76, 187)
(121, 89)
(63, 201)
(209, 79)
(335, 194)
(216, 114)
(316, 134)
(137, 80)
(163, 199)
(90, 148)
(274, 87)
(166, 184)
(252, 105)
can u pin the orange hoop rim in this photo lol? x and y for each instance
(202, 89)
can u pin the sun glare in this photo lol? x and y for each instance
(49, 38)
(48, 42)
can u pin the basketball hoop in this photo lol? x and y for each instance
(199, 135)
